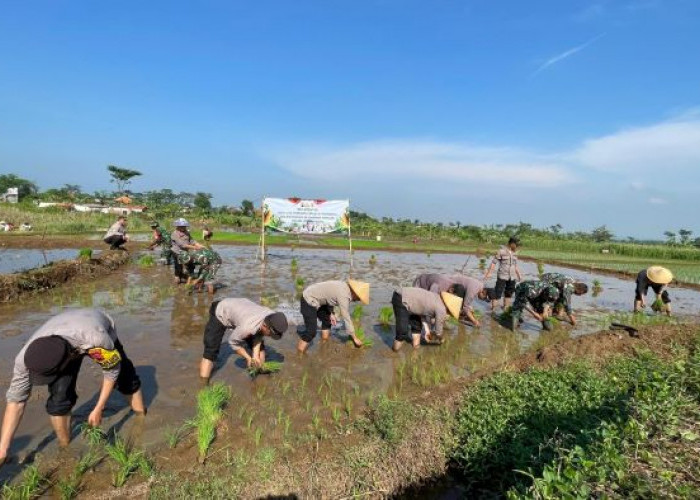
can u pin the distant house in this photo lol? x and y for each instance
(88, 207)
(10, 196)
(135, 209)
(47, 204)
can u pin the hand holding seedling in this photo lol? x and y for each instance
(95, 417)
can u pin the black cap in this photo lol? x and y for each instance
(514, 240)
(45, 357)
(459, 290)
(277, 323)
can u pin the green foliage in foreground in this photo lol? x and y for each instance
(267, 367)
(210, 407)
(626, 431)
(30, 485)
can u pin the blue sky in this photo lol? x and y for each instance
(579, 112)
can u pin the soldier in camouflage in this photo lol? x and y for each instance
(536, 297)
(162, 238)
(206, 264)
(567, 286)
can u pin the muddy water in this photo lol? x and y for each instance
(161, 328)
(17, 260)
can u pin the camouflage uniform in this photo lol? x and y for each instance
(206, 262)
(565, 285)
(537, 293)
(162, 238)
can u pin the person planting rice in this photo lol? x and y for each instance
(536, 297)
(508, 273)
(473, 289)
(206, 264)
(317, 303)
(657, 278)
(182, 242)
(162, 238)
(53, 356)
(567, 286)
(250, 323)
(116, 234)
(417, 306)
(437, 283)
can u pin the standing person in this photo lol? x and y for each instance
(657, 278)
(317, 303)
(162, 237)
(52, 356)
(567, 286)
(207, 233)
(507, 274)
(182, 242)
(413, 305)
(116, 234)
(474, 289)
(250, 323)
(536, 297)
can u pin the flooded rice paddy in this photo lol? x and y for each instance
(18, 260)
(161, 328)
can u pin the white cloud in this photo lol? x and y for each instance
(662, 147)
(655, 200)
(428, 160)
(565, 55)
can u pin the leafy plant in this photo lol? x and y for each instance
(386, 316)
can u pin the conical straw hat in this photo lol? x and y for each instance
(361, 289)
(453, 303)
(659, 275)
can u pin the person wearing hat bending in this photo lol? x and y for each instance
(161, 237)
(462, 286)
(53, 355)
(536, 297)
(508, 272)
(250, 323)
(182, 242)
(116, 234)
(567, 287)
(657, 278)
(415, 305)
(473, 289)
(317, 303)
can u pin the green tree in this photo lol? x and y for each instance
(670, 237)
(122, 176)
(25, 187)
(685, 235)
(601, 234)
(202, 201)
(247, 208)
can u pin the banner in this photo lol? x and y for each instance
(294, 215)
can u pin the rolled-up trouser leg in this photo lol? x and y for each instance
(213, 334)
(62, 394)
(401, 315)
(310, 315)
(128, 381)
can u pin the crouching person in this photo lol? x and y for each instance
(567, 287)
(412, 305)
(317, 303)
(656, 278)
(250, 323)
(536, 297)
(53, 355)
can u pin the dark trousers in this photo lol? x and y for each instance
(311, 316)
(406, 323)
(62, 393)
(214, 333)
(503, 288)
(115, 241)
(182, 272)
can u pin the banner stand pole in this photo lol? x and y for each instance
(350, 236)
(262, 230)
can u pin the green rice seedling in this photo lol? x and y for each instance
(540, 268)
(174, 436)
(85, 254)
(386, 316)
(87, 462)
(299, 284)
(127, 460)
(596, 283)
(266, 368)
(249, 419)
(269, 300)
(372, 260)
(360, 334)
(294, 266)
(68, 487)
(241, 410)
(280, 414)
(356, 390)
(482, 264)
(348, 407)
(658, 305)
(285, 387)
(287, 425)
(146, 261)
(304, 379)
(210, 404)
(327, 399)
(93, 435)
(308, 406)
(29, 487)
(335, 414)
(258, 436)
(357, 313)
(477, 313)
(260, 393)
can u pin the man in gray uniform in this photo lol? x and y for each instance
(52, 356)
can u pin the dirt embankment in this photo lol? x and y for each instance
(15, 286)
(359, 464)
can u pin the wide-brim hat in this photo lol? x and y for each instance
(660, 275)
(181, 223)
(452, 303)
(361, 289)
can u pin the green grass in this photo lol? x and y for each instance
(386, 418)
(30, 485)
(627, 430)
(210, 406)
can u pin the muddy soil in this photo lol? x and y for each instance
(161, 328)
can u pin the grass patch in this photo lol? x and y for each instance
(386, 418)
